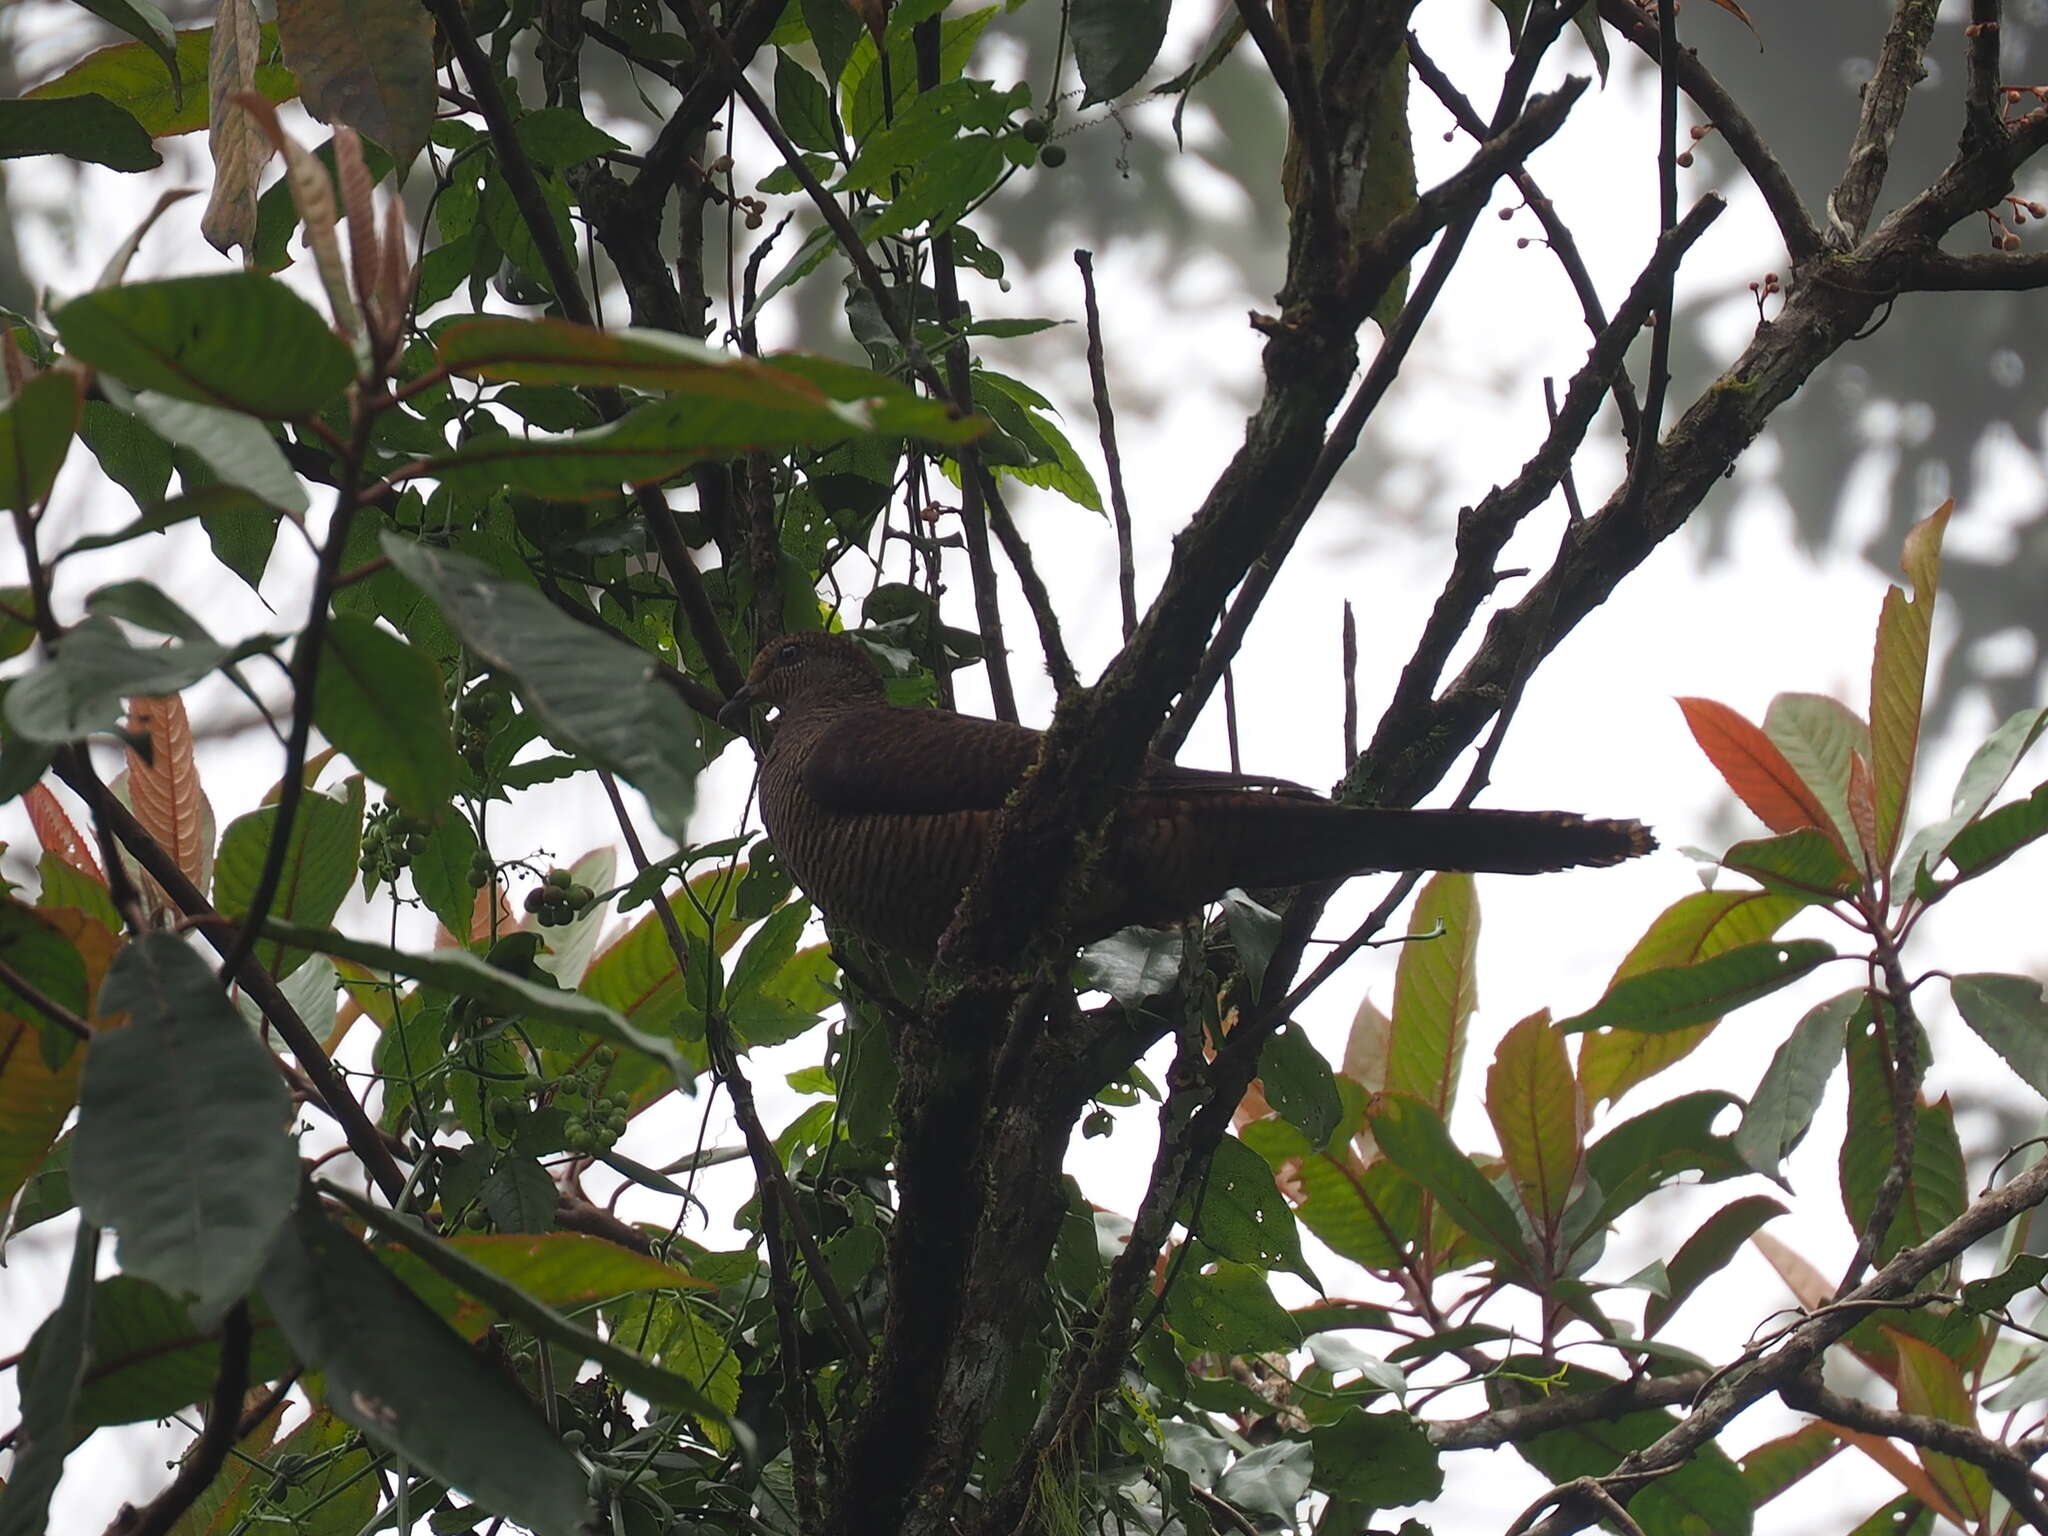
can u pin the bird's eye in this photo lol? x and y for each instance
(788, 655)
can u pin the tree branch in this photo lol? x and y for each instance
(1900, 67)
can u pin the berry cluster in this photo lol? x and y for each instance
(480, 715)
(559, 899)
(391, 841)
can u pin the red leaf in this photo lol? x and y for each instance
(56, 833)
(1755, 769)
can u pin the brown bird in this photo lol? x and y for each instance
(881, 814)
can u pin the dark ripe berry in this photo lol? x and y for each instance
(1052, 156)
(535, 899)
(476, 1221)
(1033, 130)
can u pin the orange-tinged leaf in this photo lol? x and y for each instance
(1754, 768)
(1898, 676)
(1691, 929)
(1436, 987)
(1539, 1115)
(35, 1099)
(1365, 1063)
(366, 63)
(1931, 1383)
(54, 830)
(164, 791)
(1902, 1467)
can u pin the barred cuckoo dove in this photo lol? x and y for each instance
(882, 813)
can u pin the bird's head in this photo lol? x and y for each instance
(801, 670)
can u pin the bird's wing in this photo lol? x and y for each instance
(913, 761)
(907, 761)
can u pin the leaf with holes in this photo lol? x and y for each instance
(1682, 995)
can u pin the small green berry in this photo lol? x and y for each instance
(1052, 156)
(1033, 130)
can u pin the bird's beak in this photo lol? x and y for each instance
(736, 711)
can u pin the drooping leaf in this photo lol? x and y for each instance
(1785, 1100)
(234, 139)
(1898, 676)
(1230, 1311)
(239, 452)
(1299, 1085)
(1996, 837)
(380, 701)
(1115, 42)
(1242, 1215)
(186, 1072)
(1703, 1255)
(399, 1374)
(35, 433)
(1133, 964)
(2010, 1015)
(1937, 1185)
(366, 63)
(164, 790)
(592, 692)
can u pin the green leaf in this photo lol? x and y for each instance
(1898, 677)
(1540, 1117)
(1807, 863)
(1777, 1464)
(440, 874)
(17, 634)
(802, 107)
(1985, 775)
(48, 1190)
(1436, 988)
(1299, 1085)
(1115, 42)
(49, 1389)
(1133, 964)
(1818, 736)
(185, 1073)
(1930, 1383)
(1243, 1215)
(35, 434)
(834, 30)
(1652, 1149)
(1682, 995)
(593, 693)
(1707, 1252)
(79, 690)
(319, 867)
(1382, 1460)
(84, 127)
(132, 77)
(134, 458)
(399, 1374)
(380, 701)
(149, 1360)
(1998, 836)
(558, 138)
(235, 449)
(1937, 1186)
(1707, 1493)
(466, 975)
(240, 341)
(509, 1300)
(1785, 1100)
(2010, 1015)
(520, 1196)
(1411, 1135)
(1229, 1311)
(1692, 928)
(149, 26)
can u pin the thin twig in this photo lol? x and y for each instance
(1105, 426)
(1058, 664)
(1348, 663)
